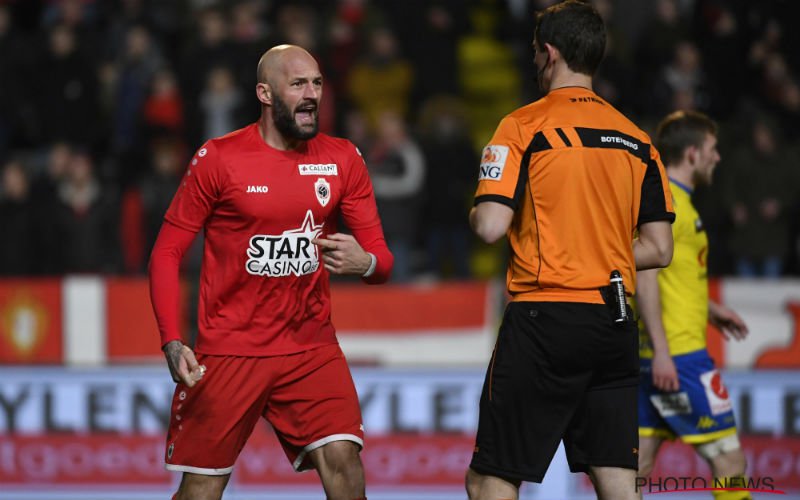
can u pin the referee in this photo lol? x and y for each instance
(569, 180)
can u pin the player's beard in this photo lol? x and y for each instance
(286, 124)
(703, 177)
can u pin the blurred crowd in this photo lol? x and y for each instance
(103, 101)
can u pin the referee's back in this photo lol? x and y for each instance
(580, 177)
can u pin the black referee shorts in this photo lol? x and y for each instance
(559, 371)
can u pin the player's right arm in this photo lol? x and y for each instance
(165, 261)
(190, 208)
(648, 300)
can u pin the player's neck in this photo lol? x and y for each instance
(568, 78)
(682, 174)
(274, 138)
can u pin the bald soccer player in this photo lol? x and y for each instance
(268, 198)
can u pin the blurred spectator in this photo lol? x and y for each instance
(65, 90)
(789, 111)
(357, 130)
(382, 80)
(139, 63)
(682, 84)
(79, 16)
(14, 59)
(761, 181)
(221, 104)
(249, 39)
(296, 24)
(774, 76)
(488, 76)
(660, 38)
(397, 169)
(45, 188)
(721, 42)
(613, 80)
(84, 234)
(163, 21)
(344, 41)
(210, 48)
(18, 220)
(163, 108)
(143, 207)
(429, 32)
(452, 164)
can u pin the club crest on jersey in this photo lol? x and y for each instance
(285, 254)
(323, 191)
(493, 161)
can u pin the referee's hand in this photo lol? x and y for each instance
(182, 364)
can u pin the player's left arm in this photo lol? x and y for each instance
(364, 253)
(727, 321)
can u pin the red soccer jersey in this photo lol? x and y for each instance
(263, 289)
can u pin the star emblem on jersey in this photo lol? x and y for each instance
(290, 252)
(323, 191)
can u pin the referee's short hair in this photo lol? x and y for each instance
(576, 29)
(680, 130)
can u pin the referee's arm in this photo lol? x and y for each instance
(490, 220)
(653, 247)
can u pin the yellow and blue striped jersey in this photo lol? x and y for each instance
(683, 285)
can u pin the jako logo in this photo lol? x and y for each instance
(288, 253)
(257, 189)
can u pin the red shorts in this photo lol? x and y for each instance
(308, 397)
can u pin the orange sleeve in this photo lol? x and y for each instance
(656, 199)
(501, 174)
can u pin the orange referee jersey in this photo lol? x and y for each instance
(580, 178)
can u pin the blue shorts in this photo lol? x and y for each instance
(700, 412)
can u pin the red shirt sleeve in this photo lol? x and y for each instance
(361, 215)
(187, 214)
(371, 240)
(199, 191)
(165, 261)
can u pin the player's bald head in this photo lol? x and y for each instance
(275, 61)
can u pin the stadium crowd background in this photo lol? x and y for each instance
(103, 101)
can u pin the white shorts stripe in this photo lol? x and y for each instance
(322, 442)
(199, 470)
